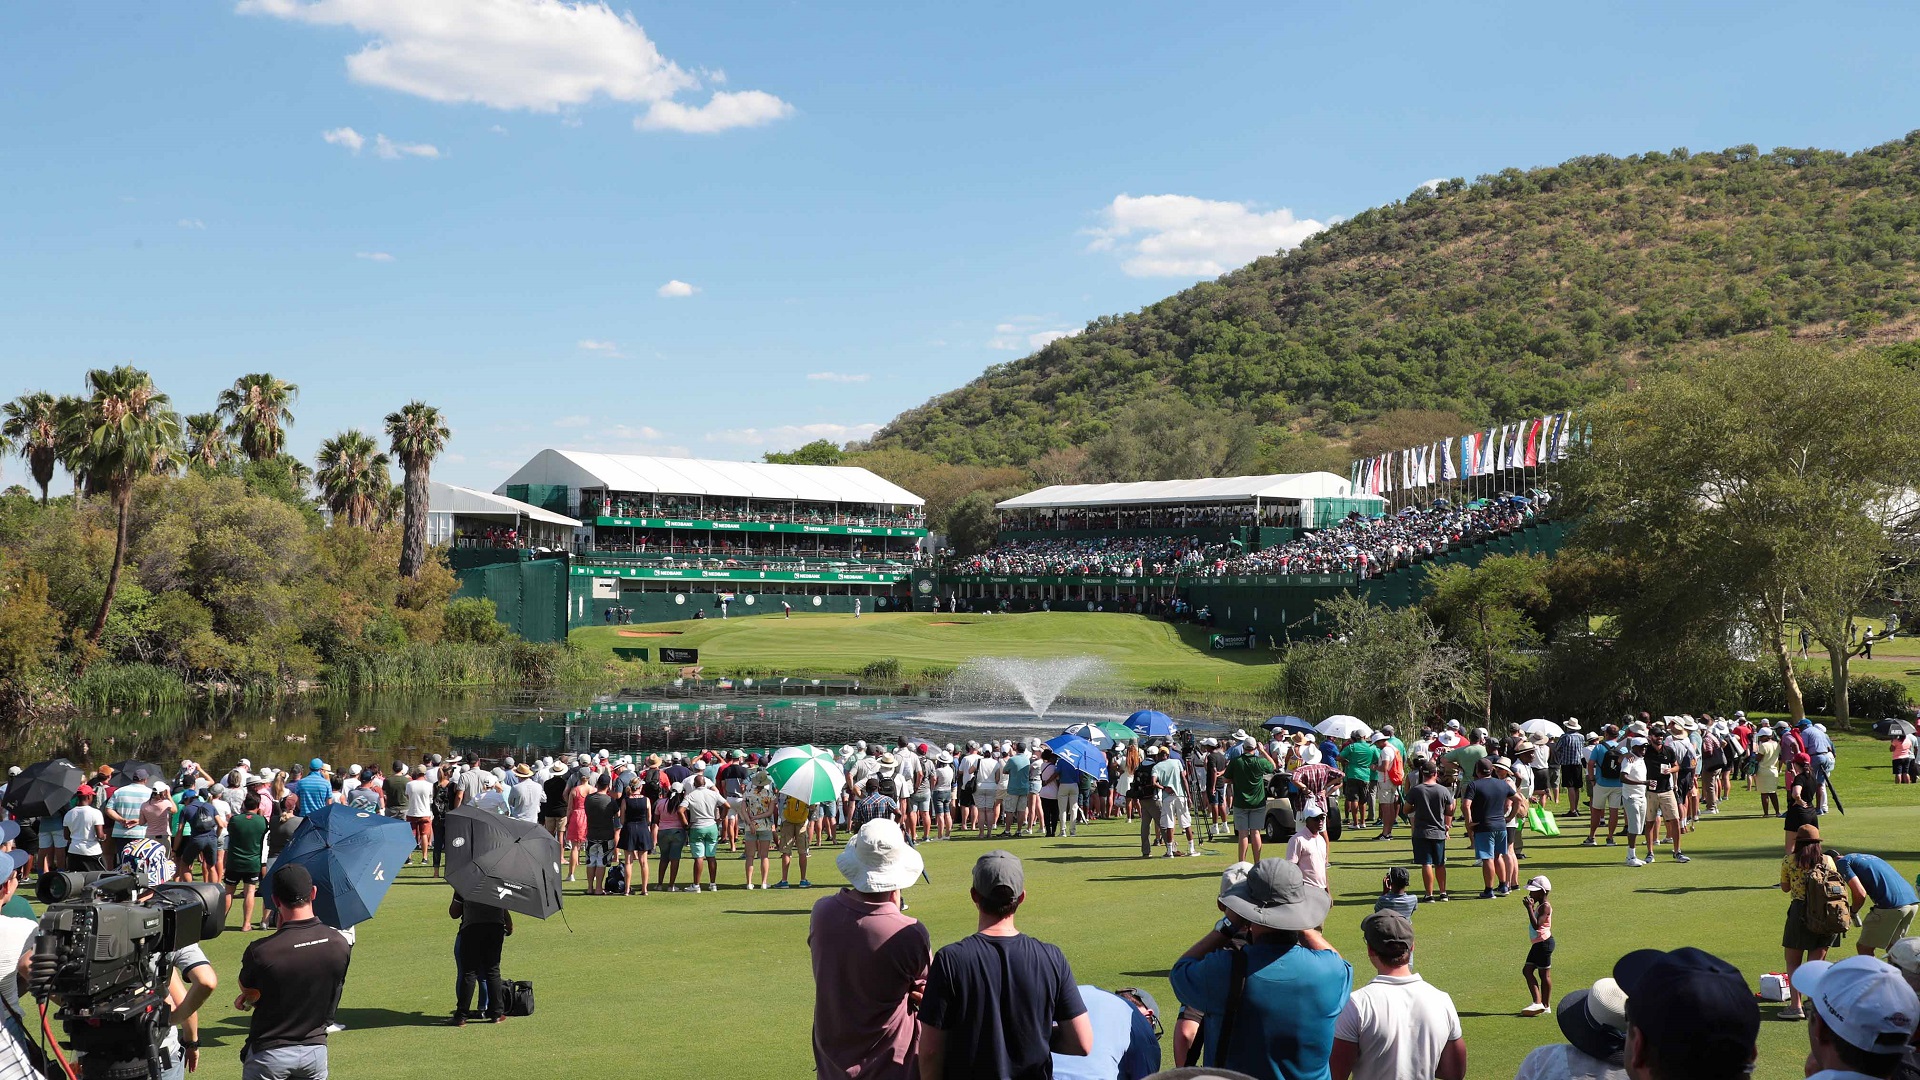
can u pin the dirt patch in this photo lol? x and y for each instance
(649, 633)
(950, 624)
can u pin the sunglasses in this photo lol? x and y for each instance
(1132, 994)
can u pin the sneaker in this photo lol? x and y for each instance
(1649, 856)
(1791, 1012)
(336, 1028)
(1633, 860)
(1168, 854)
(1611, 841)
(1486, 894)
(805, 884)
(1589, 842)
(1441, 898)
(781, 885)
(1534, 1009)
(1677, 857)
(1502, 891)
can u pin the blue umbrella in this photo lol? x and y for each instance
(1151, 724)
(353, 856)
(1291, 723)
(1080, 754)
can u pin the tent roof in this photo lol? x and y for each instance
(448, 499)
(694, 476)
(1227, 489)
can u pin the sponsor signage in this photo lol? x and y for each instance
(664, 574)
(1149, 582)
(704, 525)
(679, 656)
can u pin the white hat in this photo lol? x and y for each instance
(1862, 1000)
(186, 763)
(160, 787)
(1905, 955)
(353, 770)
(245, 764)
(878, 858)
(1234, 875)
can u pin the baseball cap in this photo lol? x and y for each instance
(1234, 875)
(1539, 883)
(1388, 933)
(1905, 955)
(292, 884)
(1690, 1001)
(1862, 1000)
(998, 877)
(1312, 810)
(316, 764)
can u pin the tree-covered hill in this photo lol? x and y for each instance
(1517, 293)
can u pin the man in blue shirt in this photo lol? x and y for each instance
(314, 789)
(1125, 1045)
(1820, 749)
(1603, 767)
(1869, 877)
(1293, 985)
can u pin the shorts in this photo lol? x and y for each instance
(1685, 787)
(195, 848)
(1666, 807)
(1541, 954)
(942, 802)
(704, 840)
(552, 822)
(236, 878)
(672, 842)
(1385, 791)
(1217, 795)
(57, 837)
(599, 852)
(1249, 821)
(986, 800)
(1608, 798)
(1571, 776)
(1012, 802)
(757, 836)
(790, 835)
(1542, 779)
(920, 800)
(1880, 927)
(1636, 814)
(85, 863)
(1355, 789)
(1174, 814)
(1429, 852)
(1487, 845)
(1902, 767)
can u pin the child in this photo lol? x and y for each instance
(1538, 969)
(1395, 896)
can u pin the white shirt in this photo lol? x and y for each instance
(1563, 1062)
(1400, 1025)
(419, 798)
(1633, 768)
(84, 825)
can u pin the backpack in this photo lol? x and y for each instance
(793, 811)
(201, 820)
(519, 995)
(1610, 762)
(1396, 768)
(617, 878)
(1828, 914)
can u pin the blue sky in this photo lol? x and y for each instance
(492, 204)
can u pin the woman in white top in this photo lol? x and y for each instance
(986, 790)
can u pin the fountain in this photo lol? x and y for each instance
(1038, 681)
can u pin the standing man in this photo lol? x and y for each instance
(1566, 765)
(1870, 877)
(1170, 787)
(1603, 769)
(526, 796)
(703, 807)
(1819, 749)
(124, 806)
(1633, 788)
(1357, 760)
(314, 789)
(1663, 778)
(291, 982)
(246, 847)
(84, 826)
(1491, 803)
(870, 962)
(1397, 1025)
(999, 1003)
(477, 945)
(1144, 796)
(1019, 772)
(1247, 775)
(1430, 806)
(1389, 775)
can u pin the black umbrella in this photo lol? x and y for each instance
(43, 790)
(144, 771)
(1892, 728)
(503, 861)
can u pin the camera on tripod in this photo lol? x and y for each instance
(101, 956)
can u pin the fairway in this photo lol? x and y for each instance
(1142, 651)
(719, 985)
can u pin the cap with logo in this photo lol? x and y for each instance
(1862, 1000)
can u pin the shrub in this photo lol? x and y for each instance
(882, 671)
(472, 619)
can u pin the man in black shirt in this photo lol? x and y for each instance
(292, 983)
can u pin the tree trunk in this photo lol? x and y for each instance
(123, 504)
(413, 544)
(1789, 682)
(1839, 661)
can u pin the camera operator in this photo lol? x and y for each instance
(17, 1053)
(192, 979)
(292, 981)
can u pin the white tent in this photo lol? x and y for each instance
(448, 502)
(577, 470)
(1229, 489)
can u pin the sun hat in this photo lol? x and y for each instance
(1275, 895)
(1862, 1001)
(1595, 1020)
(522, 771)
(1572, 724)
(1380, 736)
(1539, 883)
(1689, 998)
(762, 778)
(1806, 834)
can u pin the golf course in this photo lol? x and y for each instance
(720, 982)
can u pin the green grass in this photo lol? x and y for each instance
(725, 976)
(1142, 651)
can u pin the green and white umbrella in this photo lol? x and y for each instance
(807, 773)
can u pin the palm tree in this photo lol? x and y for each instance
(32, 430)
(124, 431)
(417, 434)
(353, 480)
(207, 444)
(68, 411)
(259, 411)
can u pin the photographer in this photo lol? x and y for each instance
(192, 979)
(291, 981)
(17, 1053)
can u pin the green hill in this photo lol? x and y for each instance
(1516, 293)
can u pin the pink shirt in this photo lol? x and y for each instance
(867, 957)
(1309, 853)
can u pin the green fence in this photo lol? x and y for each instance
(529, 597)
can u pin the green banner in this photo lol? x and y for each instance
(652, 573)
(757, 527)
(1150, 582)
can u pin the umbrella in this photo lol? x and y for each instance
(1891, 728)
(1091, 733)
(503, 861)
(353, 856)
(1542, 727)
(1342, 726)
(1150, 724)
(44, 789)
(1118, 732)
(807, 773)
(144, 771)
(1291, 723)
(1080, 754)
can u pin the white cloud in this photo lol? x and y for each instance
(373, 256)
(723, 111)
(1185, 236)
(604, 348)
(497, 129)
(539, 55)
(1434, 184)
(677, 288)
(450, 459)
(1027, 333)
(344, 136)
(836, 377)
(573, 421)
(791, 435)
(1046, 337)
(387, 148)
(192, 223)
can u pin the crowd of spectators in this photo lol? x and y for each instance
(1130, 556)
(1271, 515)
(758, 510)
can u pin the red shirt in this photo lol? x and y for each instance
(867, 957)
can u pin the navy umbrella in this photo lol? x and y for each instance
(503, 861)
(1151, 724)
(1079, 753)
(43, 790)
(1291, 723)
(146, 772)
(353, 855)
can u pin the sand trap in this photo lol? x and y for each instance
(649, 633)
(950, 624)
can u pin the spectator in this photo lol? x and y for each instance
(1566, 765)
(19, 1056)
(869, 962)
(1869, 877)
(314, 789)
(998, 1004)
(703, 807)
(1603, 772)
(1430, 813)
(84, 825)
(246, 847)
(1490, 803)
(483, 934)
(1538, 969)
(1170, 784)
(526, 796)
(124, 804)
(1126, 1037)
(1594, 1023)
(190, 980)
(1393, 893)
(1307, 849)
(1633, 792)
(1862, 1020)
(1690, 1016)
(603, 834)
(1357, 760)
(291, 982)
(1397, 1025)
(1276, 999)
(1905, 958)
(1799, 939)
(1247, 774)
(1767, 770)
(418, 808)
(1143, 796)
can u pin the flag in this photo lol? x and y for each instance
(1449, 465)
(1500, 449)
(1533, 443)
(1488, 450)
